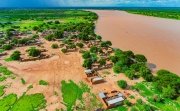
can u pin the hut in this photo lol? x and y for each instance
(89, 72)
(112, 99)
(97, 80)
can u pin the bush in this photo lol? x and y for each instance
(87, 63)
(140, 58)
(15, 55)
(49, 37)
(34, 52)
(122, 84)
(80, 45)
(23, 81)
(64, 50)
(93, 49)
(86, 55)
(7, 47)
(54, 46)
(117, 69)
(102, 62)
(42, 82)
(127, 102)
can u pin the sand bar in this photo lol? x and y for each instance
(157, 38)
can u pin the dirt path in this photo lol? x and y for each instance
(157, 38)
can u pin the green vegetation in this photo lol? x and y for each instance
(2, 90)
(7, 47)
(14, 56)
(163, 13)
(122, 84)
(120, 108)
(71, 92)
(54, 46)
(155, 97)
(23, 81)
(168, 83)
(42, 82)
(33, 102)
(34, 52)
(80, 45)
(5, 71)
(7, 102)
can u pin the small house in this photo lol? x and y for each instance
(97, 80)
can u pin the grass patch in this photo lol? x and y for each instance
(72, 92)
(2, 78)
(9, 59)
(5, 71)
(33, 102)
(2, 50)
(7, 102)
(2, 90)
(42, 82)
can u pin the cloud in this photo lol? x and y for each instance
(64, 3)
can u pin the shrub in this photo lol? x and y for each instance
(86, 55)
(102, 62)
(122, 84)
(34, 52)
(64, 50)
(87, 63)
(54, 46)
(7, 47)
(15, 55)
(127, 102)
(117, 69)
(140, 58)
(49, 37)
(23, 81)
(93, 49)
(80, 45)
(42, 82)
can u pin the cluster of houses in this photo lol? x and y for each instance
(93, 76)
(109, 99)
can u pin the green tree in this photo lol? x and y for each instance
(80, 45)
(86, 55)
(122, 84)
(93, 49)
(117, 69)
(140, 58)
(169, 92)
(87, 63)
(102, 62)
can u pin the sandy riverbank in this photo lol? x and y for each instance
(157, 38)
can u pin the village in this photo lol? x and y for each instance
(56, 53)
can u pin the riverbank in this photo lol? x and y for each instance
(157, 38)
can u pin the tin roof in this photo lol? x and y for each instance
(102, 95)
(116, 100)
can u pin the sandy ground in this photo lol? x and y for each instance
(157, 38)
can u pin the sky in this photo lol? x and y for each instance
(89, 3)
